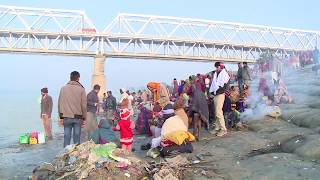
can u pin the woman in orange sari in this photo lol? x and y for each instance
(160, 93)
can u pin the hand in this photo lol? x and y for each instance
(83, 122)
(60, 122)
(45, 116)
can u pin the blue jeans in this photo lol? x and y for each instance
(69, 124)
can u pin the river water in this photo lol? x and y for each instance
(20, 113)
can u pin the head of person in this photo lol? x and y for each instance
(96, 88)
(122, 90)
(179, 103)
(74, 76)
(240, 65)
(233, 107)
(245, 64)
(128, 92)
(219, 66)
(104, 95)
(175, 79)
(125, 114)
(109, 93)
(44, 91)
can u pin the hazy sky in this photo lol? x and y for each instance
(31, 72)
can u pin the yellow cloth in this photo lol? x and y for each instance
(178, 137)
(173, 124)
(182, 114)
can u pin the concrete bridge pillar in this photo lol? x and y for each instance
(98, 76)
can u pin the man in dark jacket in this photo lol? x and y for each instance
(72, 108)
(240, 78)
(46, 110)
(92, 107)
(110, 106)
(246, 74)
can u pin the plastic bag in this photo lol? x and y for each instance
(41, 138)
(33, 140)
(24, 139)
(104, 150)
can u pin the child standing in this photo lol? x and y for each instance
(125, 126)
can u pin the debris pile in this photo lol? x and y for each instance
(180, 167)
(92, 161)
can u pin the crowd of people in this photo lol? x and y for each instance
(213, 101)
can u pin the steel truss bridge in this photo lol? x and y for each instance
(71, 32)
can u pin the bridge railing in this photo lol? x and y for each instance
(44, 20)
(216, 32)
(70, 32)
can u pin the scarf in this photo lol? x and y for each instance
(219, 80)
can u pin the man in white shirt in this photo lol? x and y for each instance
(219, 83)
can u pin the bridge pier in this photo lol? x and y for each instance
(98, 76)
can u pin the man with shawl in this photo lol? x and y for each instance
(199, 107)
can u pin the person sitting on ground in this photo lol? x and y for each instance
(263, 87)
(166, 113)
(232, 117)
(102, 134)
(144, 117)
(156, 109)
(178, 107)
(125, 126)
(281, 94)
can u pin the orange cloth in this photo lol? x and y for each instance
(154, 87)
